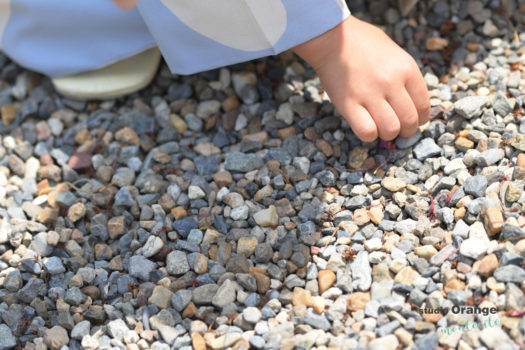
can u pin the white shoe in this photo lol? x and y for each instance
(117, 79)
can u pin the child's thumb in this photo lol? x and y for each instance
(125, 4)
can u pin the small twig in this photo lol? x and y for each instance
(331, 236)
(451, 254)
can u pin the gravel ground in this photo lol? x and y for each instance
(235, 209)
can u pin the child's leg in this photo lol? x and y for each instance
(375, 84)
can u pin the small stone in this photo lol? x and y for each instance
(177, 263)
(203, 295)
(406, 275)
(117, 329)
(140, 267)
(185, 225)
(223, 178)
(376, 214)
(358, 300)
(263, 282)
(54, 265)
(404, 336)
(178, 123)
(489, 157)
(302, 297)
(393, 184)
(127, 135)
(388, 342)
(425, 252)
(326, 279)
(7, 340)
(251, 315)
(224, 341)
(493, 221)
(76, 212)
(47, 216)
(426, 148)
(475, 185)
(198, 341)
(463, 144)
(521, 160)
(225, 294)
(123, 198)
(471, 106)
(242, 162)
(80, 330)
(153, 245)
(116, 227)
(474, 248)
(318, 304)
(161, 297)
(246, 246)
(244, 84)
(56, 337)
(8, 113)
(436, 43)
(195, 192)
(487, 265)
(267, 217)
(510, 273)
(200, 264)
(103, 252)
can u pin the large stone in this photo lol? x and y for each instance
(7, 340)
(177, 263)
(140, 267)
(56, 337)
(267, 217)
(242, 162)
(471, 106)
(326, 279)
(225, 294)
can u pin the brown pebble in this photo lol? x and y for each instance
(178, 212)
(486, 265)
(127, 135)
(302, 297)
(436, 44)
(116, 226)
(103, 252)
(521, 160)
(357, 301)
(455, 284)
(284, 133)
(8, 114)
(197, 340)
(493, 221)
(324, 147)
(263, 282)
(92, 291)
(326, 279)
(189, 311)
(47, 216)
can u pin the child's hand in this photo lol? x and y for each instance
(374, 84)
(125, 4)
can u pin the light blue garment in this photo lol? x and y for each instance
(57, 37)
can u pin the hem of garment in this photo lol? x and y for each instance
(248, 57)
(109, 62)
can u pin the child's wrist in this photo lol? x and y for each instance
(315, 51)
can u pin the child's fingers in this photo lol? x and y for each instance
(388, 125)
(125, 4)
(361, 123)
(417, 89)
(407, 114)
